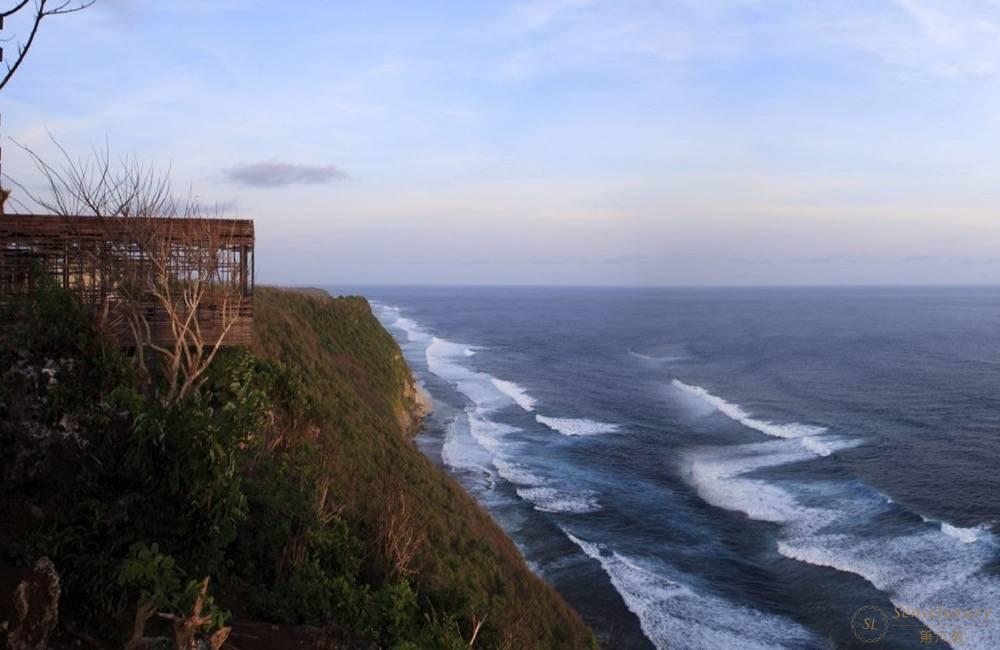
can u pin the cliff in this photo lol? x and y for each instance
(467, 566)
(290, 481)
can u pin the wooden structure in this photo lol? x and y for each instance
(101, 258)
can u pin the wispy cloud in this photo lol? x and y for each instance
(279, 174)
(942, 38)
(945, 38)
(538, 14)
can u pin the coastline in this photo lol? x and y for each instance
(463, 543)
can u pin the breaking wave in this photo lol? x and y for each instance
(576, 426)
(932, 564)
(516, 393)
(673, 615)
(735, 412)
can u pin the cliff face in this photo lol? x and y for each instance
(466, 566)
(289, 480)
(419, 406)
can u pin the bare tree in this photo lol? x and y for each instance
(181, 281)
(171, 273)
(42, 9)
(98, 185)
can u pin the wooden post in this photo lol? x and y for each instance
(3, 192)
(244, 271)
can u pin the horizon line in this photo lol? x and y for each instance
(458, 285)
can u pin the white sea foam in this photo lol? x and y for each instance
(817, 445)
(735, 412)
(381, 306)
(440, 355)
(550, 499)
(487, 432)
(967, 535)
(930, 568)
(460, 450)
(444, 360)
(824, 445)
(413, 331)
(672, 615)
(716, 474)
(390, 316)
(475, 440)
(928, 571)
(516, 393)
(576, 426)
(937, 566)
(517, 473)
(543, 495)
(469, 352)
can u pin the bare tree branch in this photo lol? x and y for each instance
(42, 10)
(18, 7)
(175, 269)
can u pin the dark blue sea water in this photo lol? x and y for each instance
(729, 468)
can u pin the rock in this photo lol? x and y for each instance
(36, 604)
(420, 406)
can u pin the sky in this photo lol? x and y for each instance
(594, 142)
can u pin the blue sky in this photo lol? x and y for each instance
(552, 141)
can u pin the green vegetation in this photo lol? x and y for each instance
(288, 479)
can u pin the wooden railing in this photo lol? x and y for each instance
(94, 257)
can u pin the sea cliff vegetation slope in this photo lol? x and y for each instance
(289, 480)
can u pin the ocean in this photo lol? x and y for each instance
(729, 468)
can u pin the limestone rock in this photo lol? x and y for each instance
(36, 603)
